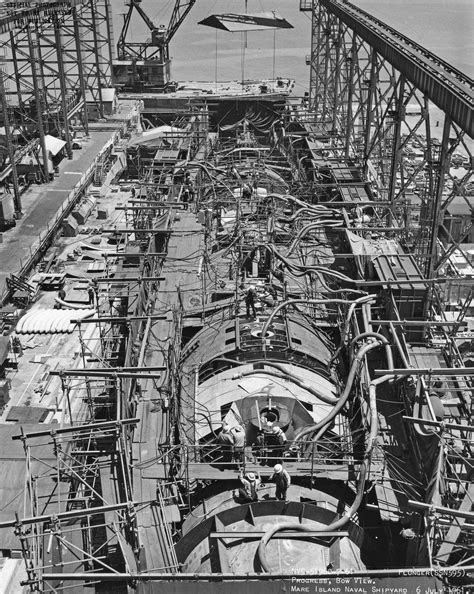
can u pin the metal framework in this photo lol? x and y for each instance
(373, 105)
(57, 57)
(79, 511)
(401, 112)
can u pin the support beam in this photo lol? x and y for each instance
(78, 513)
(104, 426)
(107, 373)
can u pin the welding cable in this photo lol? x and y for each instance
(361, 481)
(314, 225)
(322, 269)
(329, 290)
(316, 209)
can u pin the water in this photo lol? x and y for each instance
(445, 27)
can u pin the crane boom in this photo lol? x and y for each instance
(146, 64)
(180, 11)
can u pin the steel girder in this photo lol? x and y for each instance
(57, 57)
(78, 37)
(378, 116)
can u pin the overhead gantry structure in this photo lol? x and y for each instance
(381, 96)
(56, 58)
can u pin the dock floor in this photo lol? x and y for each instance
(40, 203)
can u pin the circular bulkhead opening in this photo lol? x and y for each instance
(271, 415)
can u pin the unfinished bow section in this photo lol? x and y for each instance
(257, 297)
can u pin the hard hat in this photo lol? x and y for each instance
(277, 429)
(251, 476)
(278, 468)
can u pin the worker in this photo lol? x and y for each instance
(134, 192)
(282, 481)
(279, 443)
(250, 483)
(239, 443)
(188, 183)
(246, 192)
(250, 299)
(91, 293)
(270, 296)
(258, 447)
(226, 441)
(185, 197)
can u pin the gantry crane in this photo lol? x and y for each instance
(145, 65)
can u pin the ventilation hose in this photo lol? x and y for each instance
(345, 395)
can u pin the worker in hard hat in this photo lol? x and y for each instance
(282, 481)
(226, 441)
(238, 433)
(278, 441)
(250, 483)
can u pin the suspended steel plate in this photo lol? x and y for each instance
(246, 22)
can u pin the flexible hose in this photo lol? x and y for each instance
(68, 305)
(345, 395)
(310, 227)
(322, 269)
(382, 339)
(345, 329)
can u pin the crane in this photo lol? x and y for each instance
(145, 65)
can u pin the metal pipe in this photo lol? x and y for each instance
(218, 577)
(78, 513)
(445, 511)
(94, 427)
(462, 371)
(441, 424)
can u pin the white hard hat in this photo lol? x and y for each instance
(278, 468)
